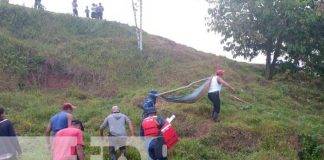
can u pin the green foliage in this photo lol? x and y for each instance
(311, 149)
(271, 27)
(17, 58)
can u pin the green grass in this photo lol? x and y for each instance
(56, 58)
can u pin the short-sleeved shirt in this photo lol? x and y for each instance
(59, 121)
(116, 124)
(65, 142)
(74, 5)
(100, 9)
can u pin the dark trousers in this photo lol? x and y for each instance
(214, 97)
(75, 12)
(156, 150)
(37, 4)
(99, 15)
(112, 152)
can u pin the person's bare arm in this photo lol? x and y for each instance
(221, 80)
(47, 134)
(70, 118)
(101, 132)
(80, 152)
(130, 125)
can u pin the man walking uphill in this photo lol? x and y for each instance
(68, 143)
(214, 92)
(60, 120)
(9, 145)
(116, 123)
(151, 129)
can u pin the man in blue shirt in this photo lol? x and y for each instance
(9, 145)
(60, 120)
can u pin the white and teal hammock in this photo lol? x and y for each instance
(192, 97)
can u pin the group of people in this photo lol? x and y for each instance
(96, 11)
(63, 124)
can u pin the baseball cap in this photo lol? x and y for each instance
(67, 105)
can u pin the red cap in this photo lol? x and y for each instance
(220, 72)
(68, 105)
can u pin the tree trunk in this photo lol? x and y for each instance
(270, 66)
(268, 74)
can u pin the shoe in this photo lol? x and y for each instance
(215, 117)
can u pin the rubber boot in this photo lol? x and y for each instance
(215, 116)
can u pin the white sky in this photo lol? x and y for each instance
(182, 21)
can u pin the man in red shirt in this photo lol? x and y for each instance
(68, 143)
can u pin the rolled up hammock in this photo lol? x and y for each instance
(192, 97)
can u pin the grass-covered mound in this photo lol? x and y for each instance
(48, 58)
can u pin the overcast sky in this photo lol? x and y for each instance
(182, 21)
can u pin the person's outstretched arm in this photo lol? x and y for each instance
(221, 80)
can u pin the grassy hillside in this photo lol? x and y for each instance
(48, 58)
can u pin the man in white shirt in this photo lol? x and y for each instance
(214, 92)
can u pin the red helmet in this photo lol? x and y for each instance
(220, 72)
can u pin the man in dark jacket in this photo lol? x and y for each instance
(151, 129)
(9, 145)
(149, 103)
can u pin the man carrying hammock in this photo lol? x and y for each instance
(214, 92)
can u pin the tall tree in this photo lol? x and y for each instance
(306, 41)
(253, 27)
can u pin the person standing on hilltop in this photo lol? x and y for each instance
(214, 92)
(87, 11)
(100, 10)
(37, 4)
(9, 145)
(75, 8)
(94, 11)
